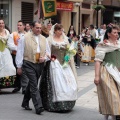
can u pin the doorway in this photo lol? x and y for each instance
(85, 20)
(73, 19)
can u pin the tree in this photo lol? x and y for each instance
(98, 7)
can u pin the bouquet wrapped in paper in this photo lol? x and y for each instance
(71, 51)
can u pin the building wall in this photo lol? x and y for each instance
(88, 12)
(76, 18)
(16, 12)
(66, 19)
(111, 2)
(106, 2)
(5, 11)
(111, 7)
(87, 16)
(66, 16)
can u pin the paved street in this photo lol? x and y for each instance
(86, 107)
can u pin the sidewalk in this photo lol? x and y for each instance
(87, 92)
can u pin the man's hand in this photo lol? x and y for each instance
(41, 59)
(19, 71)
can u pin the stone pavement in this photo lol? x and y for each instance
(86, 107)
(87, 91)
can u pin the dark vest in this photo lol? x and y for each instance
(113, 58)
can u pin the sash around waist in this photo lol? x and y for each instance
(2, 46)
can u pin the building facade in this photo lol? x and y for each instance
(68, 14)
(81, 15)
(112, 12)
(6, 11)
(13, 10)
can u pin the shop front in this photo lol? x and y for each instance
(5, 11)
(64, 11)
(67, 14)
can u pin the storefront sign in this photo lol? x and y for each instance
(67, 6)
(117, 14)
(49, 8)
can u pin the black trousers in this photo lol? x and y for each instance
(24, 80)
(117, 117)
(77, 60)
(33, 72)
(18, 77)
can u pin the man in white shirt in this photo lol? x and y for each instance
(93, 32)
(27, 27)
(31, 55)
(12, 44)
(102, 33)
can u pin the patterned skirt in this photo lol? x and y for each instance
(7, 82)
(89, 54)
(47, 94)
(108, 94)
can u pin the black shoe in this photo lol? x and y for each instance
(38, 111)
(16, 90)
(26, 107)
(117, 117)
(23, 92)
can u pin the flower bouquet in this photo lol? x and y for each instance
(97, 40)
(71, 51)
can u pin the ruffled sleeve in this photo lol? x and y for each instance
(102, 49)
(99, 53)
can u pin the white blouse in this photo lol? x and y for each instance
(102, 49)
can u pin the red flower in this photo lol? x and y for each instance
(53, 56)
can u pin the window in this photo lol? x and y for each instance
(27, 12)
(85, 5)
(5, 11)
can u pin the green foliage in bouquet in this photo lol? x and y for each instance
(71, 51)
(97, 40)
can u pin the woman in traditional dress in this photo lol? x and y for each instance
(58, 85)
(71, 33)
(107, 75)
(7, 69)
(89, 45)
